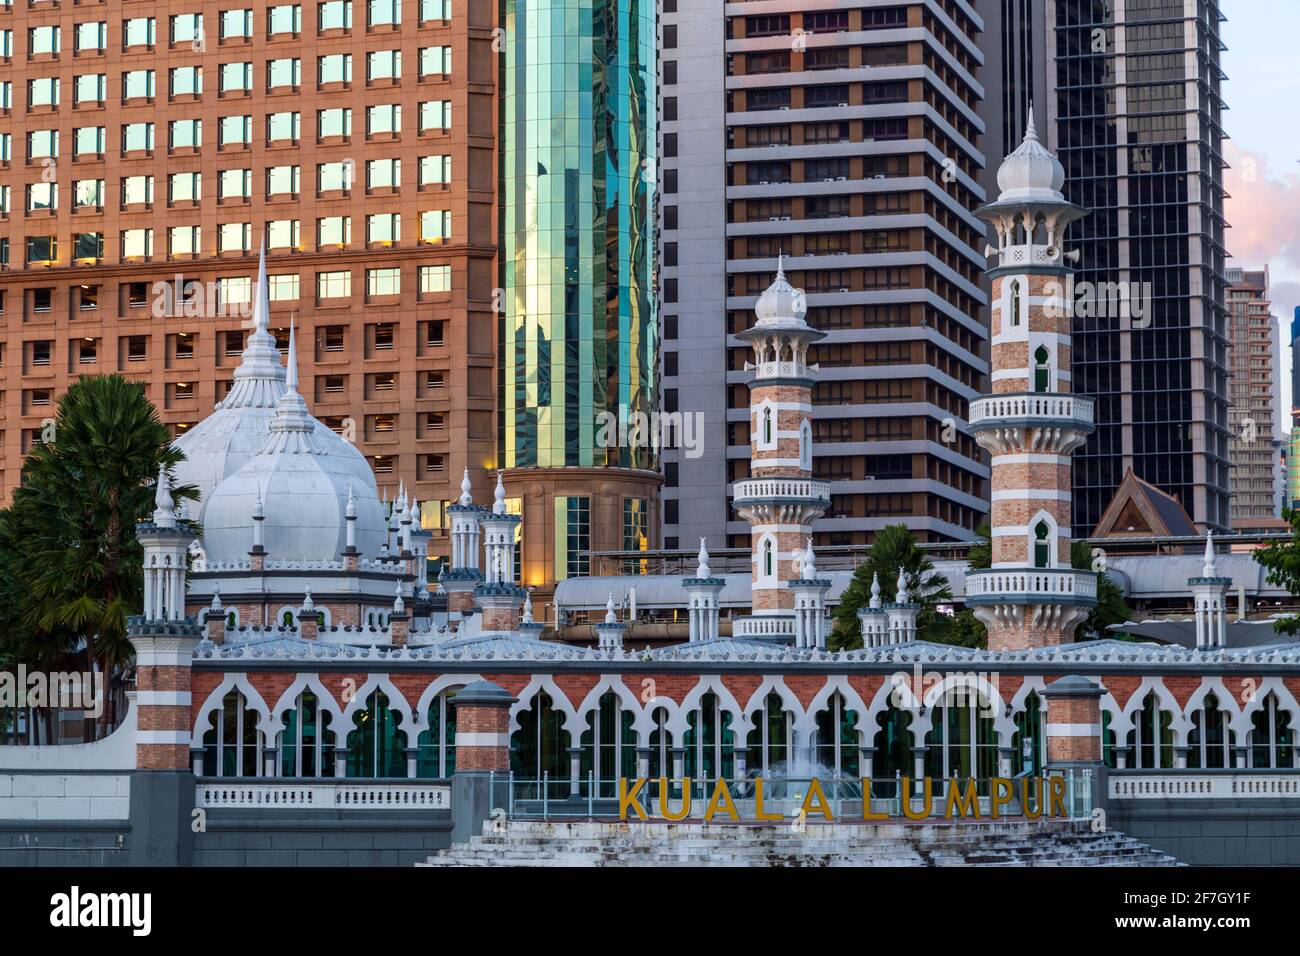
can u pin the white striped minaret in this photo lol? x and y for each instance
(1031, 424)
(780, 499)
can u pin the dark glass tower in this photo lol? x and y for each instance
(1139, 135)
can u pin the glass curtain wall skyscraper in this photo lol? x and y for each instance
(578, 332)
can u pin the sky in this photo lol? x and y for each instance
(1262, 94)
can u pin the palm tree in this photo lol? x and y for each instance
(893, 547)
(72, 567)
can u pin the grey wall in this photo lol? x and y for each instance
(320, 838)
(1214, 832)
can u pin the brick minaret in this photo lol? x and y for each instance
(780, 499)
(1031, 424)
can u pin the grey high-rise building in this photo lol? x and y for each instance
(1256, 394)
(1128, 97)
(842, 136)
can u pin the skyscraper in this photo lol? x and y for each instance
(1131, 104)
(151, 150)
(844, 138)
(1256, 373)
(578, 342)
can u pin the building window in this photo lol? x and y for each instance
(334, 15)
(334, 68)
(435, 225)
(286, 18)
(236, 23)
(282, 234)
(234, 237)
(435, 279)
(383, 281)
(436, 747)
(285, 73)
(235, 184)
(282, 181)
(334, 231)
(1042, 545)
(435, 60)
(333, 285)
(91, 36)
(1042, 370)
(232, 745)
(282, 128)
(184, 187)
(636, 532)
(376, 747)
(306, 740)
(383, 12)
(435, 170)
(185, 28)
(384, 65)
(572, 537)
(435, 114)
(334, 122)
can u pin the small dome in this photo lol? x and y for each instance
(1031, 172)
(781, 303)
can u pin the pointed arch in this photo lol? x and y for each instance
(446, 681)
(805, 446)
(678, 723)
(235, 680)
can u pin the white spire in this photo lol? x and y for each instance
(398, 604)
(1030, 131)
(902, 588)
(352, 503)
(809, 561)
(466, 491)
(216, 598)
(702, 571)
(291, 375)
(164, 514)
(780, 264)
(1209, 570)
(610, 616)
(307, 604)
(415, 513)
(258, 381)
(499, 496)
(258, 510)
(875, 590)
(528, 608)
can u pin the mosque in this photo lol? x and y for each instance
(309, 642)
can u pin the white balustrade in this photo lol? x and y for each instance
(1145, 785)
(763, 626)
(778, 488)
(1072, 408)
(1047, 582)
(273, 794)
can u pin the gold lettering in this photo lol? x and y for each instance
(815, 789)
(663, 799)
(758, 803)
(866, 803)
(927, 796)
(966, 804)
(1057, 798)
(1024, 798)
(721, 795)
(1002, 793)
(627, 798)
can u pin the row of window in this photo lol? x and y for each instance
(236, 237)
(381, 119)
(283, 73)
(282, 20)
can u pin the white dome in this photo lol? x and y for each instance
(781, 303)
(1031, 172)
(303, 476)
(236, 430)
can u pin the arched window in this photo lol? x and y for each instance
(962, 742)
(1042, 545)
(287, 619)
(1014, 304)
(893, 749)
(661, 746)
(232, 744)
(1272, 742)
(805, 446)
(539, 747)
(306, 740)
(769, 431)
(1028, 742)
(710, 743)
(1042, 369)
(231, 621)
(1151, 741)
(769, 741)
(376, 747)
(837, 737)
(769, 558)
(1209, 742)
(436, 747)
(608, 746)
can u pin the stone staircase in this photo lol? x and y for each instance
(597, 843)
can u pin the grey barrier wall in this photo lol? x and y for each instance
(1223, 832)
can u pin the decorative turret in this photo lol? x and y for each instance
(166, 543)
(1031, 596)
(215, 618)
(462, 576)
(498, 595)
(308, 617)
(780, 499)
(872, 619)
(901, 614)
(809, 590)
(1210, 596)
(527, 625)
(610, 632)
(702, 593)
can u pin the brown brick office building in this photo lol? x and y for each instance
(146, 143)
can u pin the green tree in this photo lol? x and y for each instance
(1282, 562)
(894, 547)
(70, 565)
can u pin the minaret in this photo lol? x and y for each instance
(875, 630)
(166, 543)
(498, 595)
(702, 599)
(809, 590)
(1031, 424)
(1210, 594)
(462, 575)
(780, 499)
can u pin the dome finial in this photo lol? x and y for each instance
(216, 598)
(164, 505)
(499, 496)
(399, 605)
(875, 589)
(466, 490)
(291, 376)
(610, 616)
(1210, 570)
(307, 604)
(780, 263)
(809, 569)
(352, 503)
(902, 587)
(528, 608)
(702, 570)
(1031, 132)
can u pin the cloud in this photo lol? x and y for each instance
(1264, 213)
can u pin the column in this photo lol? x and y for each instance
(482, 756)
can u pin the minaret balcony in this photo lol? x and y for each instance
(1044, 422)
(1028, 255)
(1027, 586)
(781, 490)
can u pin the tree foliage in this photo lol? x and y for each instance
(1282, 562)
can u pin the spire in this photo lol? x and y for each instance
(809, 561)
(702, 571)
(307, 604)
(415, 513)
(164, 514)
(216, 598)
(291, 429)
(610, 616)
(875, 590)
(466, 491)
(528, 609)
(499, 496)
(259, 512)
(1210, 570)
(902, 597)
(1030, 132)
(258, 381)
(780, 264)
(291, 376)
(399, 606)
(351, 513)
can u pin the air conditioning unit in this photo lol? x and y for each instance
(878, 176)
(844, 290)
(773, 218)
(829, 179)
(783, 219)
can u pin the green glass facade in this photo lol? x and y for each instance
(578, 330)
